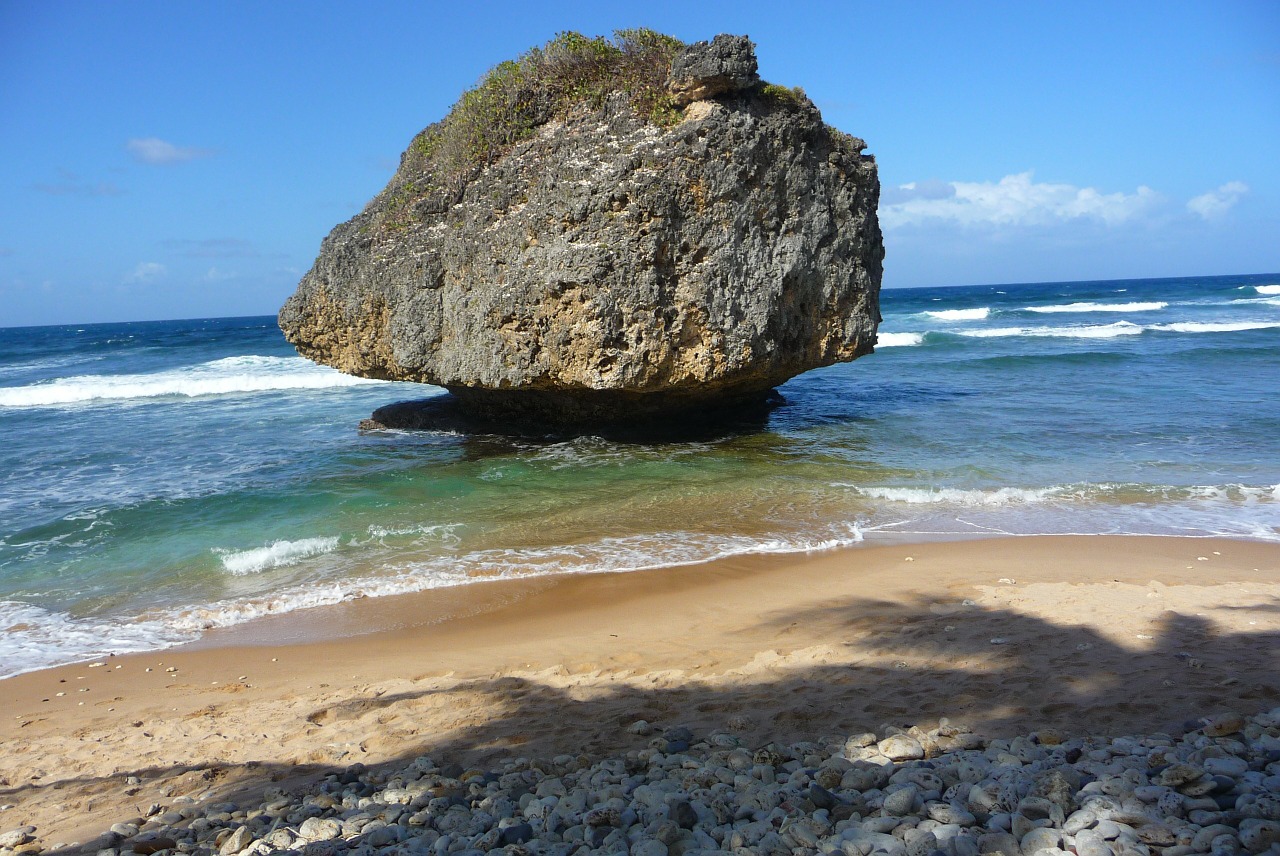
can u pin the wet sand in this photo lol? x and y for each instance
(1114, 635)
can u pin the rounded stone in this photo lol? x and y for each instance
(1257, 835)
(1043, 838)
(901, 747)
(901, 801)
(319, 829)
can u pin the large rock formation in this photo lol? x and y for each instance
(627, 256)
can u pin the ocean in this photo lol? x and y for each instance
(160, 479)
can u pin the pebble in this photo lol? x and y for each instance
(238, 840)
(1257, 835)
(900, 802)
(901, 747)
(319, 829)
(1043, 838)
(16, 837)
(1215, 790)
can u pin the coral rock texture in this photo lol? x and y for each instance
(610, 266)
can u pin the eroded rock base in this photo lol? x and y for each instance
(604, 413)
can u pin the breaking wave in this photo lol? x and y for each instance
(979, 314)
(1101, 331)
(1099, 307)
(34, 638)
(1239, 494)
(1120, 328)
(958, 496)
(276, 555)
(898, 340)
(1214, 326)
(245, 374)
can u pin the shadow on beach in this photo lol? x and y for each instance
(996, 670)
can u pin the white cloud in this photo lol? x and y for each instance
(1218, 202)
(1015, 200)
(215, 275)
(929, 189)
(146, 272)
(152, 150)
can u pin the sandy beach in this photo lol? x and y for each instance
(1107, 635)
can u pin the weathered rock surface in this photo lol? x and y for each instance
(609, 268)
(725, 64)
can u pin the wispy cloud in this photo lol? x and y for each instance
(1216, 203)
(929, 189)
(146, 272)
(215, 275)
(70, 184)
(158, 152)
(1015, 200)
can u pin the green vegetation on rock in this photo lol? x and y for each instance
(791, 95)
(517, 96)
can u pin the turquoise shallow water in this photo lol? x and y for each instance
(158, 479)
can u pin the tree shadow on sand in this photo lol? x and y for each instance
(997, 670)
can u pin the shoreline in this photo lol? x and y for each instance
(1095, 634)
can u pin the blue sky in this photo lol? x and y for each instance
(165, 160)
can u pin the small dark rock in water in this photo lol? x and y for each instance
(646, 251)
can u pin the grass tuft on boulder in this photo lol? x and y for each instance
(517, 96)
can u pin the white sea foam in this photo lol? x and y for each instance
(31, 637)
(1267, 289)
(49, 363)
(275, 555)
(431, 530)
(35, 638)
(1099, 307)
(219, 377)
(607, 555)
(1249, 301)
(1214, 326)
(1238, 495)
(1119, 328)
(1099, 331)
(978, 314)
(898, 340)
(958, 496)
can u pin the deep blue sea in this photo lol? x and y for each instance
(159, 479)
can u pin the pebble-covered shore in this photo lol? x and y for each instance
(939, 792)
